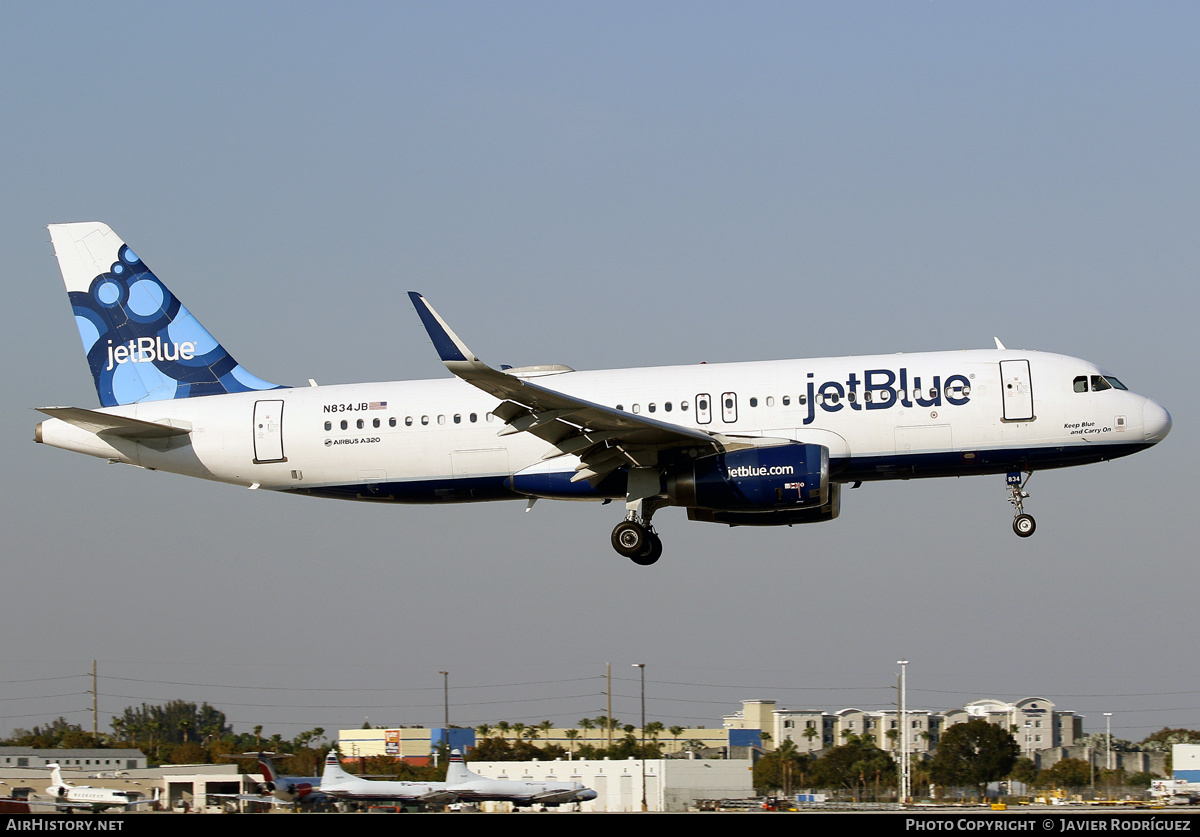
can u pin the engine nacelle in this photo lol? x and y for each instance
(784, 517)
(780, 477)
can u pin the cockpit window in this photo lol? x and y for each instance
(1115, 383)
(1081, 383)
(1099, 384)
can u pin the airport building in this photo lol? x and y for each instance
(1035, 723)
(670, 784)
(91, 760)
(420, 742)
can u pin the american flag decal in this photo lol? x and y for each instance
(377, 405)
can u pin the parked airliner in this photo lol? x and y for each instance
(471, 787)
(744, 444)
(337, 783)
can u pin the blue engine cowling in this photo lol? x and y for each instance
(790, 476)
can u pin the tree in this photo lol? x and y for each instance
(1066, 773)
(781, 769)
(810, 733)
(974, 753)
(1024, 771)
(853, 765)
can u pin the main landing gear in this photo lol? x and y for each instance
(638, 542)
(634, 537)
(1023, 524)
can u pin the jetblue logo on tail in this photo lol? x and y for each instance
(148, 350)
(142, 344)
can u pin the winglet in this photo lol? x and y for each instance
(450, 347)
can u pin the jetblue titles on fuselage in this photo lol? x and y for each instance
(881, 389)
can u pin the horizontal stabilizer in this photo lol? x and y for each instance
(103, 424)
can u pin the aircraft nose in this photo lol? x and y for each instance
(1156, 421)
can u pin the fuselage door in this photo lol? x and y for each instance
(1017, 387)
(703, 408)
(268, 431)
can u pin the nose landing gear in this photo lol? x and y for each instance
(1023, 524)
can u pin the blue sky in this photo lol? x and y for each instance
(605, 185)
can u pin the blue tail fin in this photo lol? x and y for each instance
(141, 343)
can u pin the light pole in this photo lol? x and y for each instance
(642, 668)
(1108, 740)
(446, 707)
(905, 778)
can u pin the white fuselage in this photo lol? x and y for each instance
(881, 417)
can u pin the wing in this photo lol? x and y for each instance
(603, 438)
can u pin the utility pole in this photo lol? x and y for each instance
(95, 709)
(642, 668)
(608, 712)
(905, 777)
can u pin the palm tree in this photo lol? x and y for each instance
(483, 730)
(586, 724)
(676, 731)
(810, 733)
(572, 736)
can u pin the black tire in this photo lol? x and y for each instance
(1024, 525)
(652, 554)
(630, 539)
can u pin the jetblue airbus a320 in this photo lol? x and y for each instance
(744, 444)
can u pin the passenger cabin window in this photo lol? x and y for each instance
(728, 407)
(329, 425)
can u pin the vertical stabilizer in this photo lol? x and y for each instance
(457, 772)
(334, 774)
(141, 343)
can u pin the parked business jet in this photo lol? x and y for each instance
(339, 784)
(471, 787)
(68, 795)
(744, 444)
